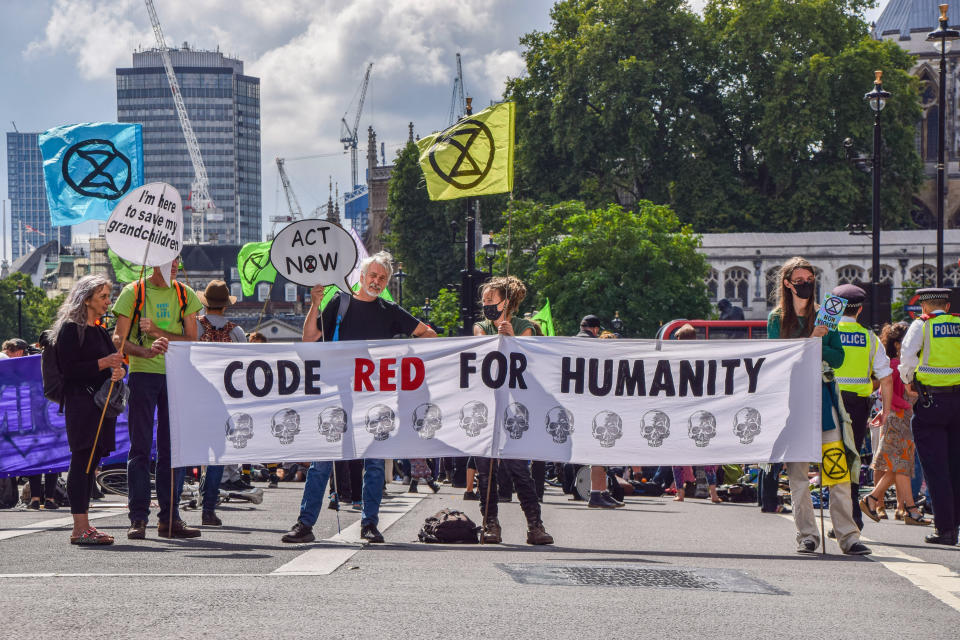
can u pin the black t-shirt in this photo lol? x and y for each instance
(376, 320)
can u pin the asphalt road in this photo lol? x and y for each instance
(657, 568)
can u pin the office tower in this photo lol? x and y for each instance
(29, 215)
(224, 109)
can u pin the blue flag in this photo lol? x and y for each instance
(88, 168)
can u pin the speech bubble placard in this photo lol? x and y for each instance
(146, 227)
(312, 252)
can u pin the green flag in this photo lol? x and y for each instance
(473, 157)
(331, 291)
(253, 263)
(125, 271)
(545, 319)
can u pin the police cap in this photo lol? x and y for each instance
(933, 293)
(853, 294)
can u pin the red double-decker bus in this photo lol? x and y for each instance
(717, 329)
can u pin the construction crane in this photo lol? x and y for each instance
(348, 136)
(201, 203)
(454, 113)
(296, 213)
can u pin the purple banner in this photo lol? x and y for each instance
(33, 436)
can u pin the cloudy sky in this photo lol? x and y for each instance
(59, 58)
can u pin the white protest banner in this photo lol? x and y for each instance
(146, 227)
(559, 399)
(312, 252)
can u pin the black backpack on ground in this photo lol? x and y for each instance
(449, 526)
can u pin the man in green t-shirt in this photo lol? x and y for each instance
(150, 314)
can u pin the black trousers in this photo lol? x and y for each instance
(538, 469)
(859, 409)
(43, 486)
(768, 483)
(936, 432)
(519, 473)
(79, 482)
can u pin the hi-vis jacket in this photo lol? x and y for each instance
(931, 351)
(863, 358)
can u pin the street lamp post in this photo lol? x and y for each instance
(490, 249)
(876, 99)
(19, 293)
(426, 310)
(941, 39)
(400, 275)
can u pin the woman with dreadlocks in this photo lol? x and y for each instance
(501, 297)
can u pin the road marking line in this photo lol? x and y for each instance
(322, 561)
(54, 523)
(936, 579)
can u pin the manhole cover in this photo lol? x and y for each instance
(632, 576)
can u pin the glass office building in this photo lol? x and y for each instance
(224, 109)
(29, 214)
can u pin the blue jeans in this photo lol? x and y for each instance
(148, 395)
(211, 486)
(316, 485)
(373, 472)
(313, 489)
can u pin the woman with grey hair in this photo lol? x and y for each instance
(87, 358)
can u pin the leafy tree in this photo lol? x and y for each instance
(613, 107)
(736, 120)
(38, 310)
(793, 73)
(642, 263)
(444, 312)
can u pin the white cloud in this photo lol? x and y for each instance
(310, 56)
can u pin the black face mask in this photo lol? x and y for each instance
(804, 290)
(490, 312)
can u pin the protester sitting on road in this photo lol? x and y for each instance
(600, 497)
(501, 297)
(14, 348)
(893, 459)
(150, 313)
(795, 317)
(87, 358)
(214, 327)
(362, 316)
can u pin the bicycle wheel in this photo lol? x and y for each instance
(113, 481)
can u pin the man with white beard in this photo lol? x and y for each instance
(362, 316)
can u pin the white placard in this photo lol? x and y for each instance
(146, 227)
(558, 399)
(312, 252)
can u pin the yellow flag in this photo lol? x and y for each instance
(833, 466)
(474, 157)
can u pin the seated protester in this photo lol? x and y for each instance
(362, 316)
(501, 297)
(213, 326)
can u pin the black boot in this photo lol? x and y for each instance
(413, 487)
(433, 485)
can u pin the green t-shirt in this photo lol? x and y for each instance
(163, 307)
(519, 326)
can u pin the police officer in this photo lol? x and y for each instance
(864, 360)
(930, 365)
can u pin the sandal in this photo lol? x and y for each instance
(865, 507)
(91, 537)
(908, 517)
(882, 512)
